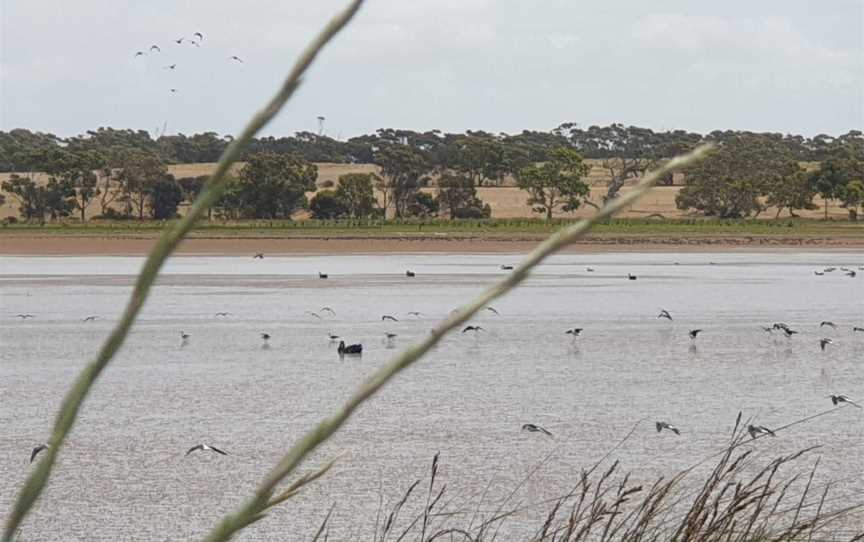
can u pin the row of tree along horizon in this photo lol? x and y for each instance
(125, 172)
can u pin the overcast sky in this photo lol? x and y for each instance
(502, 66)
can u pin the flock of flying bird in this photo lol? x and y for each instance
(356, 349)
(196, 40)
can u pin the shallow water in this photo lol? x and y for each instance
(123, 474)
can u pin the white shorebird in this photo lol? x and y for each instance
(759, 430)
(36, 451)
(660, 426)
(206, 448)
(534, 428)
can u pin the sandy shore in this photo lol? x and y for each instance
(85, 245)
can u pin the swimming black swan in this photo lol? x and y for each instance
(350, 349)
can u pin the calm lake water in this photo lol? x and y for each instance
(123, 474)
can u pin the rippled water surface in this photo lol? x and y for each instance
(123, 474)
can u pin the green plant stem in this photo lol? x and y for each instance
(325, 429)
(166, 244)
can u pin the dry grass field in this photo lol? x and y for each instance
(507, 201)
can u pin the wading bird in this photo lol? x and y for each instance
(837, 399)
(759, 430)
(472, 328)
(824, 342)
(665, 314)
(534, 428)
(388, 317)
(693, 333)
(351, 349)
(664, 425)
(205, 448)
(37, 450)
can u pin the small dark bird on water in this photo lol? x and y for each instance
(507, 268)
(173, 90)
(258, 256)
(170, 66)
(575, 332)
(818, 273)
(837, 399)
(472, 328)
(351, 349)
(664, 425)
(37, 450)
(416, 314)
(780, 325)
(179, 41)
(388, 317)
(139, 53)
(265, 336)
(533, 428)
(322, 275)
(824, 342)
(665, 314)
(759, 430)
(184, 336)
(631, 277)
(332, 336)
(829, 324)
(856, 328)
(409, 273)
(693, 333)
(206, 448)
(851, 274)
(390, 335)
(589, 269)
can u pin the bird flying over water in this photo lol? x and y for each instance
(472, 328)
(328, 309)
(759, 430)
(206, 448)
(258, 255)
(170, 67)
(534, 428)
(665, 425)
(823, 343)
(818, 273)
(837, 399)
(390, 335)
(37, 450)
(665, 314)
(575, 332)
(173, 90)
(199, 35)
(829, 324)
(388, 317)
(24, 316)
(235, 57)
(780, 325)
(315, 314)
(788, 332)
(222, 314)
(155, 48)
(139, 53)
(179, 41)
(693, 333)
(493, 310)
(415, 313)
(91, 318)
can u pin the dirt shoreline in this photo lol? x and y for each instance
(70, 245)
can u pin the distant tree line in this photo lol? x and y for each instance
(124, 172)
